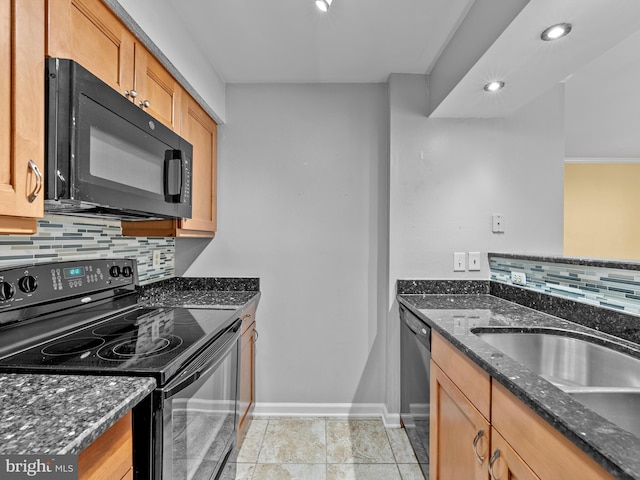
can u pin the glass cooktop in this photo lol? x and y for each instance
(146, 340)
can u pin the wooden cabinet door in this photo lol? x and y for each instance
(202, 132)
(21, 114)
(247, 379)
(88, 32)
(459, 436)
(157, 91)
(505, 463)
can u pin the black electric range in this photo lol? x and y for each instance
(83, 317)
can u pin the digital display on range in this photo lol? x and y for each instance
(74, 272)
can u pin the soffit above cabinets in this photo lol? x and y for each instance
(530, 66)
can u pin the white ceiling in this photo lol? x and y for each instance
(530, 66)
(291, 41)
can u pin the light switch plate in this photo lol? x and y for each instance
(497, 223)
(459, 262)
(474, 261)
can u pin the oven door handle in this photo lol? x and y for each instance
(203, 365)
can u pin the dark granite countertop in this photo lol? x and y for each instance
(63, 414)
(201, 292)
(453, 316)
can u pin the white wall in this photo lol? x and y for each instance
(448, 176)
(302, 205)
(158, 20)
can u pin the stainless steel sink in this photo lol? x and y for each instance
(566, 361)
(603, 379)
(620, 407)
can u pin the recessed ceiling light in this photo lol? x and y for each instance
(555, 32)
(494, 86)
(323, 5)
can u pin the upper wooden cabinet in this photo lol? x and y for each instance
(156, 90)
(202, 132)
(89, 33)
(21, 115)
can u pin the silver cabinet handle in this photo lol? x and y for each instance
(145, 104)
(255, 336)
(493, 459)
(476, 439)
(38, 174)
(131, 93)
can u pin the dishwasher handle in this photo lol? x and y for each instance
(421, 330)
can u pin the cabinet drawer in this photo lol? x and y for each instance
(542, 447)
(474, 382)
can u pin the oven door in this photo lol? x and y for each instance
(199, 413)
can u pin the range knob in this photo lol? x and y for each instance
(127, 271)
(114, 271)
(7, 291)
(28, 284)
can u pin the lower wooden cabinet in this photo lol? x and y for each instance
(510, 442)
(247, 375)
(459, 434)
(110, 457)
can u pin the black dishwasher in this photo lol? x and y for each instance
(415, 354)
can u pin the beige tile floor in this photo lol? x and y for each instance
(325, 449)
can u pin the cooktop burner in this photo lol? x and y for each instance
(72, 347)
(125, 349)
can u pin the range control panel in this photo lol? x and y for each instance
(40, 283)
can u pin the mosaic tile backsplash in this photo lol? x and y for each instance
(74, 238)
(612, 288)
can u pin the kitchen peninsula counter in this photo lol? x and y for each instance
(63, 414)
(454, 316)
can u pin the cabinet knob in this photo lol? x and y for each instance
(494, 457)
(145, 104)
(476, 439)
(131, 93)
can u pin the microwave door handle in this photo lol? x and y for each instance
(173, 176)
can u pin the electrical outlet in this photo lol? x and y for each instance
(156, 259)
(474, 261)
(459, 261)
(519, 278)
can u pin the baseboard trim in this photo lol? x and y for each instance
(342, 410)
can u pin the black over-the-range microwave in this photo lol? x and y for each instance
(105, 156)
